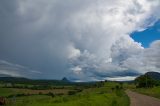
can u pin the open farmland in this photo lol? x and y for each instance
(110, 94)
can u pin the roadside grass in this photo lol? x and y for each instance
(129, 86)
(155, 91)
(115, 98)
(102, 96)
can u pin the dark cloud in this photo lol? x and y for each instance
(69, 38)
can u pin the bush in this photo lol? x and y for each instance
(112, 88)
(40, 93)
(71, 92)
(117, 87)
(145, 81)
(60, 94)
(51, 94)
(78, 89)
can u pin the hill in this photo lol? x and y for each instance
(153, 75)
(65, 79)
(21, 80)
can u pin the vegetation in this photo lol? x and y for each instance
(145, 81)
(154, 91)
(91, 94)
(148, 80)
(148, 84)
(27, 92)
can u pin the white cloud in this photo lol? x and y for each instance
(16, 70)
(77, 70)
(10, 73)
(73, 53)
(82, 36)
(112, 41)
(126, 78)
(146, 60)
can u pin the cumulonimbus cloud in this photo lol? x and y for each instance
(80, 39)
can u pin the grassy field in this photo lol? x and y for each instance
(13, 91)
(155, 91)
(108, 95)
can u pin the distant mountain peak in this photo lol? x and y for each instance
(65, 79)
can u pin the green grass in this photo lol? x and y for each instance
(103, 96)
(81, 99)
(129, 86)
(6, 92)
(155, 91)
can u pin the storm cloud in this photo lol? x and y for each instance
(81, 39)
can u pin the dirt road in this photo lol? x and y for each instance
(142, 100)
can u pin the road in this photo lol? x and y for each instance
(142, 100)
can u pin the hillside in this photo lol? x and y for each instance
(21, 80)
(154, 75)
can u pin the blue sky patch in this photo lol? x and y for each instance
(148, 36)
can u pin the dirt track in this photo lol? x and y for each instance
(142, 100)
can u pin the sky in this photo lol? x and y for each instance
(83, 40)
(147, 36)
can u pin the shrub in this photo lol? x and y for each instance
(60, 94)
(71, 92)
(117, 87)
(145, 81)
(40, 93)
(51, 94)
(112, 89)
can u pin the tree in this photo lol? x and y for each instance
(144, 81)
